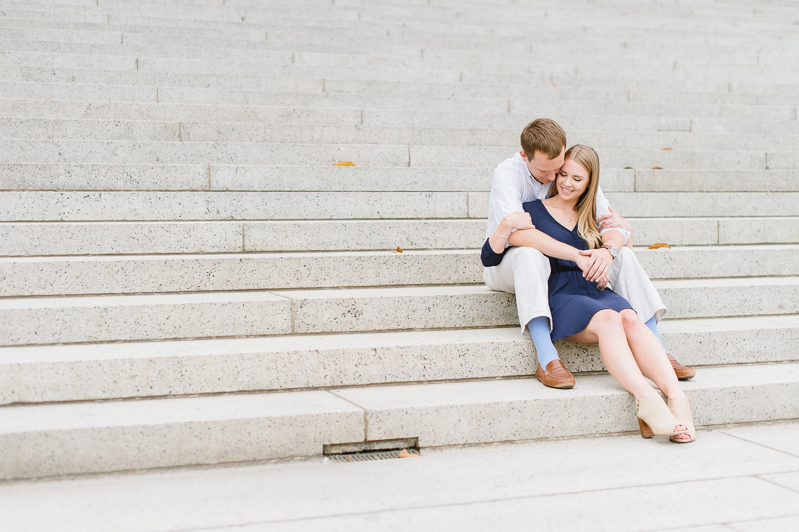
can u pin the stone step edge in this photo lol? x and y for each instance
(148, 92)
(355, 253)
(40, 374)
(93, 319)
(348, 293)
(54, 177)
(163, 274)
(51, 440)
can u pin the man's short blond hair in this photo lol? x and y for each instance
(543, 135)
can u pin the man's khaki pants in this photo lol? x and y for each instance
(524, 271)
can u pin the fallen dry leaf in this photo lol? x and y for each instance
(659, 245)
(398, 250)
(405, 454)
(657, 168)
(345, 163)
(667, 149)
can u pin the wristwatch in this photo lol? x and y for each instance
(613, 251)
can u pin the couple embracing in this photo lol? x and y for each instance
(555, 242)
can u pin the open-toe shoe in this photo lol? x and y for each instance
(681, 409)
(655, 418)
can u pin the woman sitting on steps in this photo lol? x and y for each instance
(584, 313)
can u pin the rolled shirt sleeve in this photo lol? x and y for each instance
(489, 257)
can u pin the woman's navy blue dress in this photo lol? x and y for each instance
(572, 299)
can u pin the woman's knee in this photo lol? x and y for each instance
(608, 319)
(630, 320)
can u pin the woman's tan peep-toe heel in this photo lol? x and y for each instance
(655, 418)
(681, 408)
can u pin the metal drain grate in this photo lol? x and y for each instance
(368, 456)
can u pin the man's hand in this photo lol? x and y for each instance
(613, 220)
(597, 266)
(520, 220)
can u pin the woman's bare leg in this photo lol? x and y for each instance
(649, 355)
(606, 327)
(651, 358)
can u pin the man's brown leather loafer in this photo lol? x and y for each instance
(683, 372)
(555, 376)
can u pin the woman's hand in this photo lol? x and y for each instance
(502, 234)
(597, 266)
(519, 220)
(614, 220)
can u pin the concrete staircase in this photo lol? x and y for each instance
(186, 279)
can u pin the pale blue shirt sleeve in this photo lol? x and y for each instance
(603, 208)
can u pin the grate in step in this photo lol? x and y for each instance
(367, 451)
(368, 456)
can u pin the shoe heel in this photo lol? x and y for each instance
(646, 432)
(655, 418)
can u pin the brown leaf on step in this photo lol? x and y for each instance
(657, 168)
(405, 454)
(398, 250)
(667, 149)
(345, 163)
(659, 245)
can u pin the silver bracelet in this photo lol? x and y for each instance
(509, 225)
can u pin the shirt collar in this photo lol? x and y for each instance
(534, 181)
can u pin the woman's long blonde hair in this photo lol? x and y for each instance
(587, 227)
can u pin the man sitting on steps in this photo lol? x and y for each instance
(527, 176)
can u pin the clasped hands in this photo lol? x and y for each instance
(595, 263)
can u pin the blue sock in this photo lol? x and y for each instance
(539, 330)
(653, 326)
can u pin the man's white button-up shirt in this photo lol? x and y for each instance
(513, 185)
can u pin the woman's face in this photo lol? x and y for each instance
(572, 180)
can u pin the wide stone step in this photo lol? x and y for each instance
(340, 30)
(113, 238)
(211, 131)
(712, 181)
(261, 178)
(303, 38)
(146, 44)
(84, 206)
(251, 271)
(677, 29)
(277, 38)
(329, 17)
(373, 117)
(257, 80)
(127, 152)
(229, 314)
(495, 104)
(141, 369)
(186, 206)
(394, 57)
(234, 12)
(49, 440)
(93, 110)
(54, 276)
(615, 158)
(591, 120)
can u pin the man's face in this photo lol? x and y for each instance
(543, 169)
